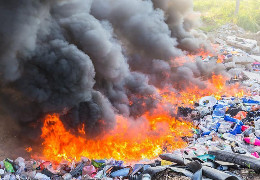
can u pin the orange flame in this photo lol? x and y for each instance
(216, 86)
(125, 142)
(29, 149)
(179, 61)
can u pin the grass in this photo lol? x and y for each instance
(215, 13)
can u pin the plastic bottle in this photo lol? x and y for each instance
(203, 128)
(8, 166)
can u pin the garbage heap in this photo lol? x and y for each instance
(236, 36)
(240, 55)
(225, 145)
(243, 67)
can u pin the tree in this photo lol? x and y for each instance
(237, 7)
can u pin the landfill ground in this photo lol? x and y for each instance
(225, 145)
(8, 138)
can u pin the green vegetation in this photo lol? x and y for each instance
(215, 13)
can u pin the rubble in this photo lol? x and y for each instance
(231, 34)
(242, 43)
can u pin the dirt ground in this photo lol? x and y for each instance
(11, 145)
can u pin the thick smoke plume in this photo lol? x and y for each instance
(90, 60)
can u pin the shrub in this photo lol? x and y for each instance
(215, 13)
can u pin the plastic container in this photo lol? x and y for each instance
(219, 111)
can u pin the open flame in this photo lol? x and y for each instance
(131, 140)
(28, 149)
(126, 142)
(202, 54)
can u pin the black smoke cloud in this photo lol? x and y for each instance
(90, 60)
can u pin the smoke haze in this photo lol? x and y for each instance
(88, 60)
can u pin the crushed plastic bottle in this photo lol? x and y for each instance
(8, 167)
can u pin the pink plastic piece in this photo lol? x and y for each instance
(257, 142)
(244, 127)
(255, 154)
(89, 170)
(253, 141)
(247, 140)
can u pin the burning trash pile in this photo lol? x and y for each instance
(226, 140)
(115, 89)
